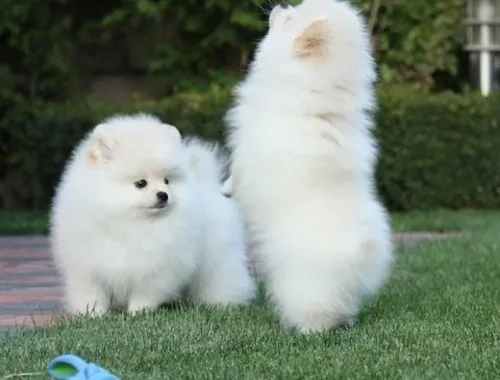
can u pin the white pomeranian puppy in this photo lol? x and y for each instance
(302, 165)
(128, 224)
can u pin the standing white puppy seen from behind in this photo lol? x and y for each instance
(302, 168)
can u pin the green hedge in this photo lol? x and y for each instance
(440, 150)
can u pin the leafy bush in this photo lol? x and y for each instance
(52, 47)
(416, 41)
(440, 150)
(36, 45)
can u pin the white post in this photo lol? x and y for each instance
(485, 13)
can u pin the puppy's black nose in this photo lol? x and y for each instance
(162, 196)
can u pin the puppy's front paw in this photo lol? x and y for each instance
(86, 307)
(138, 305)
(227, 187)
(85, 298)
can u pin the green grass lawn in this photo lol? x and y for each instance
(438, 318)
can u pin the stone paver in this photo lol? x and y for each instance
(29, 286)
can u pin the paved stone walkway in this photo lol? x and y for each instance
(29, 287)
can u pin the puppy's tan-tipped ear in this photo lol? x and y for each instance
(313, 41)
(101, 145)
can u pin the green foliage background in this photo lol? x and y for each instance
(51, 46)
(437, 148)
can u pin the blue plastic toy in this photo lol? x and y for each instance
(71, 367)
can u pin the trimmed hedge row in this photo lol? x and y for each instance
(439, 150)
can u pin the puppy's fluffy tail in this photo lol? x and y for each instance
(206, 161)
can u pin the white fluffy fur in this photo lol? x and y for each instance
(111, 246)
(302, 165)
(223, 276)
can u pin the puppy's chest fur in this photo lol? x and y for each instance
(136, 251)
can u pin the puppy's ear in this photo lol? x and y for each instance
(175, 132)
(313, 41)
(101, 145)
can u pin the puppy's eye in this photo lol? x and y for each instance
(166, 181)
(141, 184)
